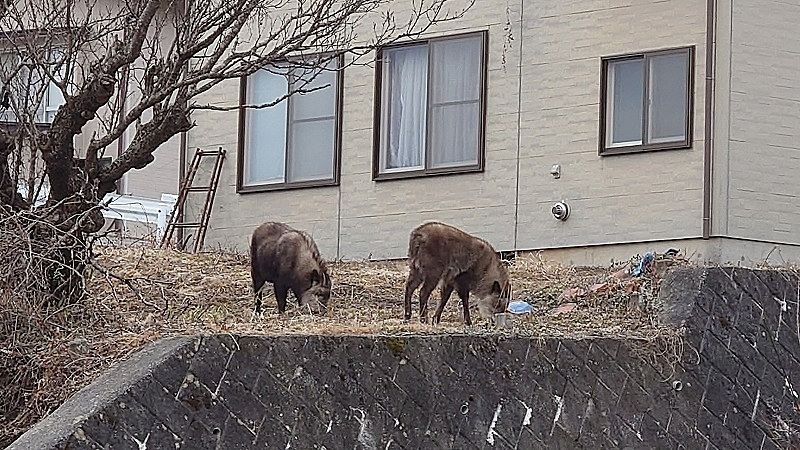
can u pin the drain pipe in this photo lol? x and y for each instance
(708, 144)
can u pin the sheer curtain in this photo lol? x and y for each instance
(54, 98)
(404, 107)
(265, 149)
(313, 124)
(455, 102)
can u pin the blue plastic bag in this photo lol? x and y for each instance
(520, 307)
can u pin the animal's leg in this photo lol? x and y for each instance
(258, 288)
(462, 287)
(281, 292)
(424, 294)
(412, 283)
(447, 290)
(259, 297)
(448, 279)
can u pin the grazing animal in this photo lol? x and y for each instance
(439, 254)
(289, 259)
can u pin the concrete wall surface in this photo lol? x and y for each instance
(735, 386)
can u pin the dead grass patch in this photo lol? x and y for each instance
(139, 295)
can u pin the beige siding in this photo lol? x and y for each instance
(160, 176)
(762, 156)
(614, 199)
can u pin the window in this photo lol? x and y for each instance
(430, 112)
(28, 88)
(646, 101)
(294, 143)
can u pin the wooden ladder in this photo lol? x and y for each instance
(176, 220)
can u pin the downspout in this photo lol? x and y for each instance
(184, 142)
(184, 138)
(123, 96)
(708, 144)
(519, 124)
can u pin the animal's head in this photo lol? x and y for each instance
(499, 294)
(317, 295)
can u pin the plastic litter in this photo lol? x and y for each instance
(520, 307)
(641, 268)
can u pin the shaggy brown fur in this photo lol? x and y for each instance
(442, 254)
(289, 259)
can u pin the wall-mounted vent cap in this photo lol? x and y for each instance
(560, 211)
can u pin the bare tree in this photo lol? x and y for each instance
(77, 75)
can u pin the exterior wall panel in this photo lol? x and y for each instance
(614, 199)
(763, 151)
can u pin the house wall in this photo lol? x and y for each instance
(614, 199)
(162, 175)
(542, 112)
(159, 177)
(757, 121)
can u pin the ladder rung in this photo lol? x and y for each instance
(198, 188)
(210, 153)
(186, 225)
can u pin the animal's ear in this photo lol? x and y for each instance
(496, 288)
(315, 279)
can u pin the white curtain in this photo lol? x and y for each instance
(313, 125)
(455, 102)
(404, 107)
(265, 147)
(8, 66)
(54, 98)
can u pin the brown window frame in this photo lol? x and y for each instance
(42, 124)
(427, 171)
(686, 143)
(241, 188)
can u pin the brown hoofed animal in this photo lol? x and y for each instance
(440, 254)
(289, 259)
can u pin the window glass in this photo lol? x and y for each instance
(668, 100)
(626, 87)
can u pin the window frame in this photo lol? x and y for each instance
(428, 171)
(645, 56)
(241, 187)
(40, 119)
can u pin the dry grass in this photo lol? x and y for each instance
(140, 295)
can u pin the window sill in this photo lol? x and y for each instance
(426, 173)
(645, 148)
(285, 186)
(13, 125)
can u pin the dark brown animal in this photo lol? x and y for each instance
(440, 254)
(289, 259)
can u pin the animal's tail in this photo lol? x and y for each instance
(415, 241)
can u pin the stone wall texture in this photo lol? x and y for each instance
(735, 386)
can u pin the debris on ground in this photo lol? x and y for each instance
(633, 280)
(563, 309)
(520, 307)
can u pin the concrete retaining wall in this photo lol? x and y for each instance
(736, 386)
